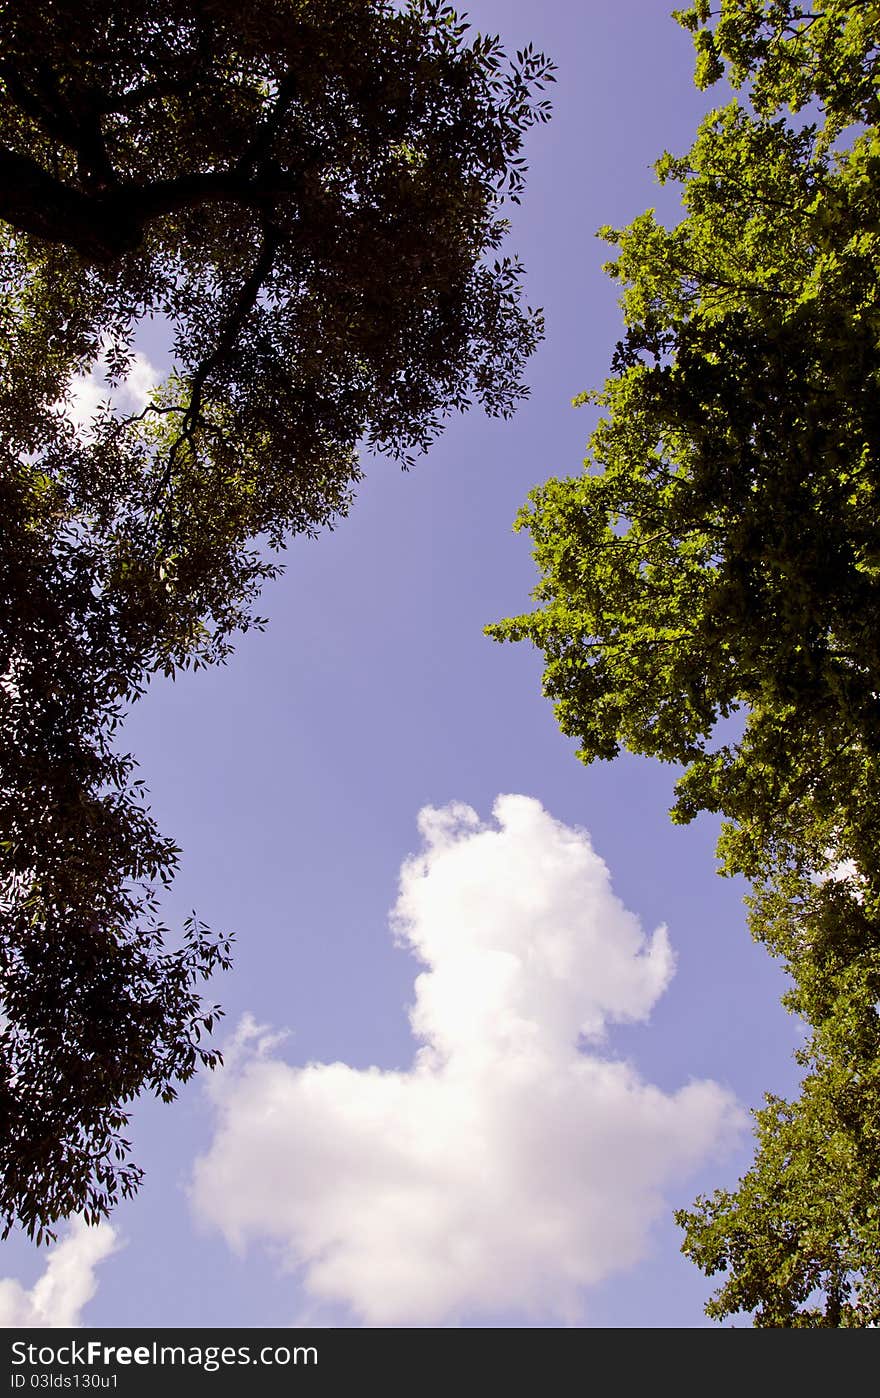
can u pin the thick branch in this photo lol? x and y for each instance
(102, 226)
(36, 203)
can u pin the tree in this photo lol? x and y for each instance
(309, 195)
(710, 595)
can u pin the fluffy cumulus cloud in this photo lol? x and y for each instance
(68, 1282)
(88, 392)
(516, 1162)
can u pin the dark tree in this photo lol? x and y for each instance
(308, 195)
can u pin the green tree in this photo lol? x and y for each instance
(716, 571)
(309, 194)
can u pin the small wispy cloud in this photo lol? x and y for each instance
(57, 1298)
(514, 1164)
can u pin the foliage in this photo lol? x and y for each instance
(308, 195)
(716, 571)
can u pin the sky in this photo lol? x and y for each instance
(492, 1016)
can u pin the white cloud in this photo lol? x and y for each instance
(67, 1284)
(513, 1164)
(139, 384)
(842, 871)
(88, 391)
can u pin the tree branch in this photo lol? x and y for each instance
(103, 225)
(244, 304)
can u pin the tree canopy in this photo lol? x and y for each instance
(308, 195)
(710, 595)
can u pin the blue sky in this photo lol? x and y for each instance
(293, 779)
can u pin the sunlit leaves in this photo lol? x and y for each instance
(718, 561)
